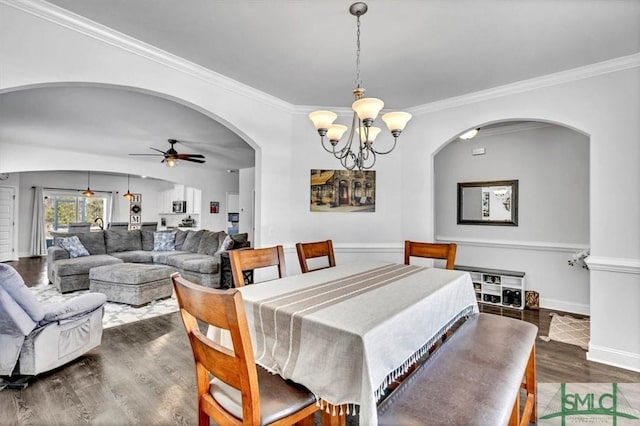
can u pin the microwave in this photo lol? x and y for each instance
(179, 206)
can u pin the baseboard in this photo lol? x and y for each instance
(559, 305)
(615, 358)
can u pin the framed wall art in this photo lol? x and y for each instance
(342, 190)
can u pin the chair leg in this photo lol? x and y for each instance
(310, 420)
(203, 418)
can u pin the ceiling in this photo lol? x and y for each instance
(412, 52)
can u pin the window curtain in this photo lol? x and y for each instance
(38, 245)
(110, 209)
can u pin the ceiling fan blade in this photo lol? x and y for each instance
(192, 160)
(156, 149)
(154, 155)
(184, 156)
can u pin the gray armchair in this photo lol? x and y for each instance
(35, 338)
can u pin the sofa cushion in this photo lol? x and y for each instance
(209, 242)
(73, 246)
(164, 241)
(147, 239)
(208, 265)
(135, 256)
(82, 265)
(92, 241)
(180, 237)
(179, 259)
(122, 240)
(192, 242)
(162, 257)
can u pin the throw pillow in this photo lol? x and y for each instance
(73, 246)
(240, 240)
(164, 241)
(227, 243)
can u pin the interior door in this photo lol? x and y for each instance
(6, 223)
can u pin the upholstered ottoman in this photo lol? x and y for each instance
(132, 283)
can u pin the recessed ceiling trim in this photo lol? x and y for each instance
(87, 27)
(580, 73)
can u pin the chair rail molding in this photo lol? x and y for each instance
(514, 244)
(613, 264)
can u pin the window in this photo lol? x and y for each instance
(61, 209)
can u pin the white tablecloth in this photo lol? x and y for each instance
(346, 332)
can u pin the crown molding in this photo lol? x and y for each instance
(575, 74)
(84, 26)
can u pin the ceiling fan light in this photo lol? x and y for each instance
(469, 134)
(171, 162)
(335, 132)
(322, 119)
(367, 108)
(396, 121)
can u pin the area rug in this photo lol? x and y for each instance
(567, 329)
(114, 313)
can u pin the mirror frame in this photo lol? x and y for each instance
(514, 203)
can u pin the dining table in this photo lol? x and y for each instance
(349, 331)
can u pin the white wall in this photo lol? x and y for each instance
(551, 164)
(603, 103)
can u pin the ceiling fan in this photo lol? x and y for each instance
(171, 156)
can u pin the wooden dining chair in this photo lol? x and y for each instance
(431, 250)
(315, 250)
(251, 259)
(232, 390)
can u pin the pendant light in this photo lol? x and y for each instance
(88, 193)
(128, 195)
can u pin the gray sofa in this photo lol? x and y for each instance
(196, 255)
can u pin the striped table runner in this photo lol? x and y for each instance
(345, 332)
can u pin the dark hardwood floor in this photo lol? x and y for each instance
(142, 374)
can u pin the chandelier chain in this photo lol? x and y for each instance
(358, 81)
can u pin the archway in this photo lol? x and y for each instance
(551, 163)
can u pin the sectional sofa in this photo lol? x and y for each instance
(195, 254)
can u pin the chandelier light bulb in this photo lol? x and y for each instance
(335, 132)
(367, 109)
(369, 134)
(396, 121)
(322, 120)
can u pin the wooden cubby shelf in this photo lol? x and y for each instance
(497, 286)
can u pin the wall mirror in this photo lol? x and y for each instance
(488, 203)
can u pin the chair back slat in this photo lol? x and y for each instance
(446, 251)
(249, 259)
(314, 250)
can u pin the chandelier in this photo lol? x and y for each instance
(365, 111)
